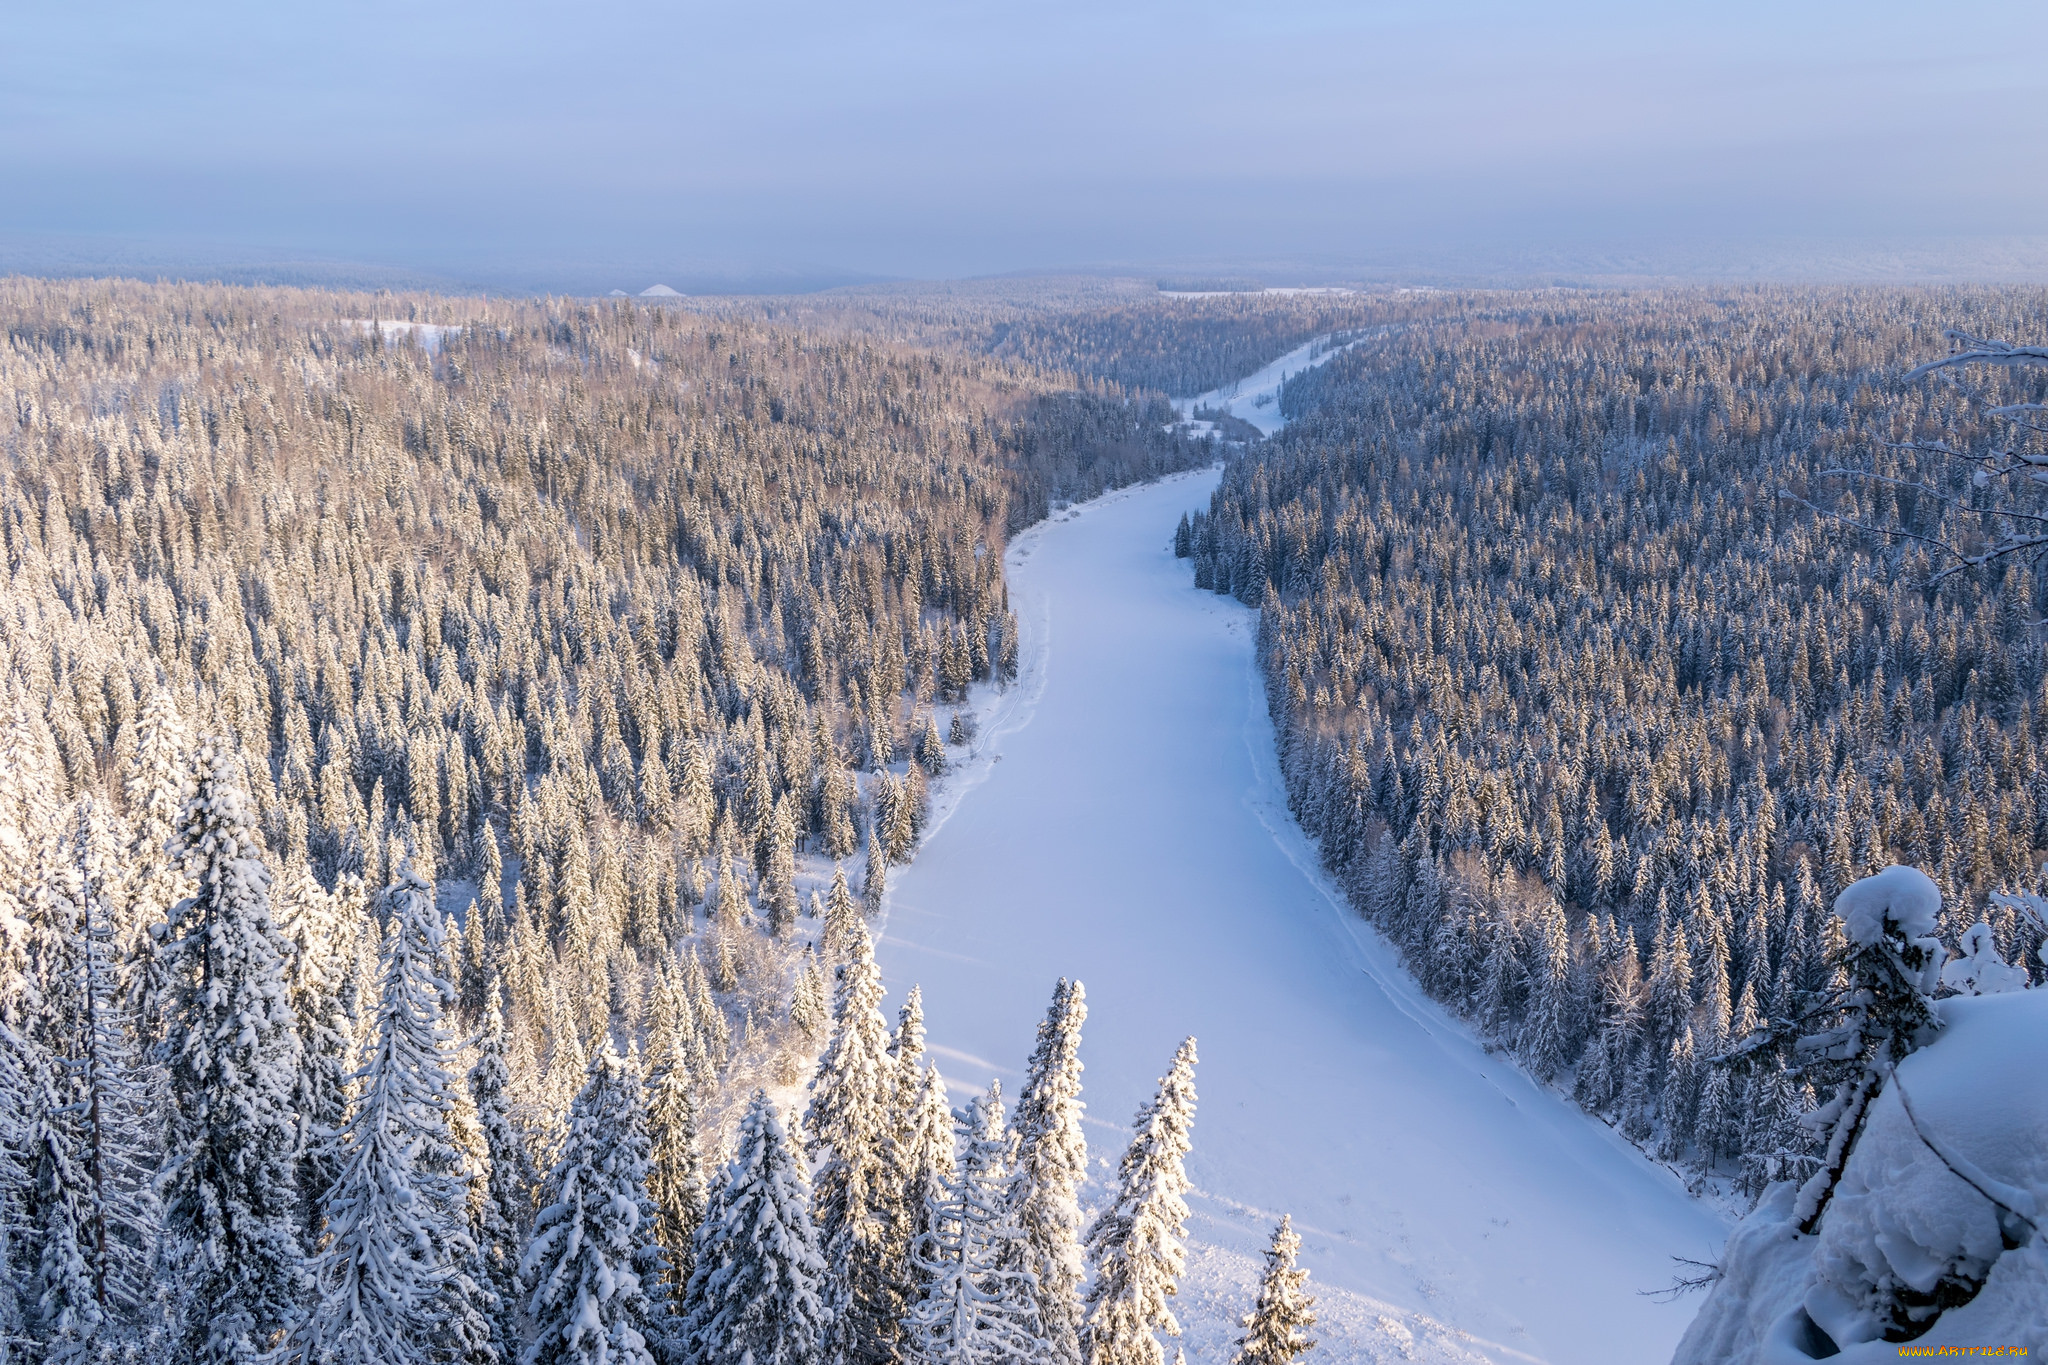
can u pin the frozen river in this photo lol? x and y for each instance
(1122, 822)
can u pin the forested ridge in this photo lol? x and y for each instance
(423, 718)
(1595, 724)
(1135, 338)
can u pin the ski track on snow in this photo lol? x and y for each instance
(1138, 837)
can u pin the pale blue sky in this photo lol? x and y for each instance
(933, 139)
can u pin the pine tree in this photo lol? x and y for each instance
(155, 783)
(395, 1279)
(807, 1005)
(847, 1132)
(593, 1258)
(874, 882)
(757, 1293)
(978, 1303)
(1135, 1244)
(1275, 1326)
(231, 1201)
(1052, 1164)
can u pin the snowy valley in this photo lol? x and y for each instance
(610, 834)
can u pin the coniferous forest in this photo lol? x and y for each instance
(450, 751)
(1599, 679)
(453, 753)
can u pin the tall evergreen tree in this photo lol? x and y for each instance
(757, 1293)
(847, 1131)
(505, 1211)
(593, 1259)
(1052, 1164)
(1135, 1243)
(1275, 1326)
(93, 1136)
(231, 1199)
(675, 1179)
(978, 1304)
(395, 1279)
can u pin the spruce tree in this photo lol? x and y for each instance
(1135, 1243)
(757, 1293)
(321, 958)
(394, 1280)
(593, 1260)
(1052, 1164)
(93, 1138)
(978, 1302)
(509, 1180)
(231, 1198)
(842, 912)
(1275, 1326)
(1546, 1033)
(923, 1161)
(675, 1179)
(847, 1131)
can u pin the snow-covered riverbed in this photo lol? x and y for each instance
(1123, 822)
(1256, 397)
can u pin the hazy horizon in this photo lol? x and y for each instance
(797, 145)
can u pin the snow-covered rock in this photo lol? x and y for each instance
(1961, 1129)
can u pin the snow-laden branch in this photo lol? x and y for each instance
(1973, 350)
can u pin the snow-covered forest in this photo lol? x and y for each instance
(1611, 641)
(453, 754)
(439, 790)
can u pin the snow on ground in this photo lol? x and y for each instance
(1256, 397)
(1284, 290)
(429, 333)
(1121, 820)
(1904, 1211)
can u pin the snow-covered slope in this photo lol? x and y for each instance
(1904, 1211)
(1123, 822)
(1256, 397)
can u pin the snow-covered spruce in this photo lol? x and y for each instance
(1135, 1244)
(1274, 1329)
(231, 1203)
(977, 1305)
(757, 1294)
(395, 1279)
(593, 1268)
(91, 1215)
(505, 1210)
(847, 1131)
(675, 1177)
(1052, 1163)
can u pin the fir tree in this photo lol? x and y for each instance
(675, 1179)
(978, 1303)
(593, 1257)
(230, 1197)
(1052, 1164)
(757, 1293)
(395, 1278)
(1275, 1326)
(847, 1132)
(841, 914)
(92, 1135)
(509, 1180)
(1135, 1244)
